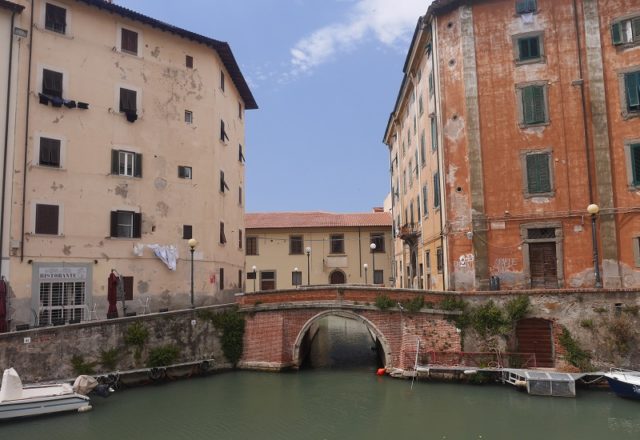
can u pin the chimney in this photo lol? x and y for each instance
(378, 209)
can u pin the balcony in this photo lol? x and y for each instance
(409, 232)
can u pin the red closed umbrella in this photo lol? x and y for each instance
(112, 296)
(3, 307)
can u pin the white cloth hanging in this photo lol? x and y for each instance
(167, 253)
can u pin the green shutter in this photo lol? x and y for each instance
(434, 134)
(538, 175)
(635, 24)
(527, 105)
(635, 163)
(616, 33)
(538, 104)
(521, 6)
(632, 83)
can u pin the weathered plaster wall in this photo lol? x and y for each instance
(45, 354)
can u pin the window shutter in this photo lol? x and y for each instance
(616, 33)
(538, 104)
(534, 47)
(538, 175)
(632, 81)
(635, 23)
(527, 105)
(181, 172)
(635, 163)
(47, 219)
(521, 6)
(523, 48)
(55, 153)
(115, 162)
(137, 225)
(138, 166)
(114, 224)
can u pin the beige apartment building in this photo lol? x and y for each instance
(125, 141)
(290, 249)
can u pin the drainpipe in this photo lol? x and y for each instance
(26, 138)
(6, 141)
(580, 82)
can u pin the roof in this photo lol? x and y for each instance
(222, 48)
(273, 220)
(11, 6)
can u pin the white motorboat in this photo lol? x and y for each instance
(625, 383)
(17, 400)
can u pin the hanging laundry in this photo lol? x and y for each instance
(131, 116)
(83, 105)
(167, 253)
(69, 103)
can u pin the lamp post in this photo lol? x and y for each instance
(192, 246)
(308, 252)
(373, 268)
(594, 209)
(366, 266)
(254, 268)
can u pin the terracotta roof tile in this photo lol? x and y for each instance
(269, 220)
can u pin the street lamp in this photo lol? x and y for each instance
(296, 277)
(366, 266)
(594, 209)
(373, 268)
(307, 251)
(254, 268)
(192, 246)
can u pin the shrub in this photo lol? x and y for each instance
(576, 356)
(489, 319)
(384, 302)
(587, 323)
(109, 359)
(80, 366)
(414, 305)
(136, 336)
(453, 303)
(163, 356)
(517, 308)
(622, 333)
(231, 323)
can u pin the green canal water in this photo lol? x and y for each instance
(330, 404)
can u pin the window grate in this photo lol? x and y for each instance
(541, 233)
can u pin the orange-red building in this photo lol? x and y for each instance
(532, 108)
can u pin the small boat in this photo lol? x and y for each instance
(17, 400)
(625, 383)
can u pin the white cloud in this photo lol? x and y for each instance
(387, 21)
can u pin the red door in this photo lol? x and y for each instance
(544, 265)
(534, 335)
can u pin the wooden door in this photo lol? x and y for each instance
(544, 265)
(534, 336)
(337, 277)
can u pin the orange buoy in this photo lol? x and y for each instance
(380, 372)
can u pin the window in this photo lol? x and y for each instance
(239, 196)
(55, 18)
(420, 106)
(634, 160)
(129, 41)
(431, 84)
(529, 48)
(239, 238)
(423, 149)
(533, 105)
(434, 134)
(51, 83)
(636, 250)
(439, 260)
(189, 62)
(187, 232)
(632, 91)
(240, 154)
(223, 183)
(126, 163)
(61, 301)
(296, 278)
(223, 237)
(410, 173)
(378, 239)
(239, 110)
(47, 219)
(526, 6)
(416, 162)
(252, 246)
(425, 200)
(267, 280)
(221, 278)
(538, 173)
(126, 224)
(436, 190)
(128, 104)
(378, 277)
(626, 31)
(296, 245)
(427, 261)
(185, 172)
(411, 212)
(222, 80)
(240, 286)
(188, 117)
(49, 152)
(418, 207)
(223, 134)
(337, 243)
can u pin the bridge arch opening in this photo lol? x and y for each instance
(308, 338)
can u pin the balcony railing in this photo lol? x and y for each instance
(409, 231)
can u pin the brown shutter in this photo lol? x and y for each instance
(137, 225)
(47, 219)
(114, 224)
(115, 162)
(138, 166)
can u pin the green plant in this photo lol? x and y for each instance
(632, 310)
(414, 305)
(517, 308)
(383, 302)
(109, 359)
(136, 336)
(231, 323)
(163, 356)
(600, 310)
(80, 366)
(622, 333)
(451, 303)
(576, 356)
(587, 323)
(489, 319)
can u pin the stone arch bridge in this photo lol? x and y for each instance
(281, 324)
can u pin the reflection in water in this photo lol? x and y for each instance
(342, 343)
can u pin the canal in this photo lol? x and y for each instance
(336, 400)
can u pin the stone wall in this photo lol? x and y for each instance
(45, 353)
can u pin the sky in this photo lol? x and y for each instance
(325, 74)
